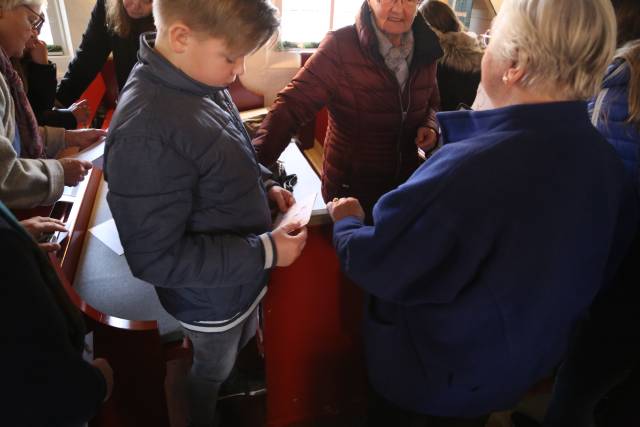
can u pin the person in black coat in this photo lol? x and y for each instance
(39, 77)
(459, 67)
(45, 377)
(114, 28)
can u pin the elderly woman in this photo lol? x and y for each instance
(114, 28)
(459, 67)
(27, 177)
(478, 266)
(377, 79)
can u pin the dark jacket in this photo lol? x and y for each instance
(370, 146)
(458, 70)
(480, 264)
(610, 111)
(47, 381)
(40, 82)
(186, 192)
(98, 41)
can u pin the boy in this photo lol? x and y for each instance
(185, 188)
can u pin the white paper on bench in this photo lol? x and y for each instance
(93, 153)
(107, 233)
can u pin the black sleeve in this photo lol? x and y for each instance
(60, 118)
(90, 57)
(48, 381)
(41, 81)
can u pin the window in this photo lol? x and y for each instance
(305, 22)
(54, 31)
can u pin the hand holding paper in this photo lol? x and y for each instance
(299, 212)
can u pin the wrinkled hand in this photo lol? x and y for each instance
(82, 138)
(74, 171)
(39, 226)
(80, 111)
(344, 207)
(281, 197)
(107, 372)
(37, 50)
(426, 139)
(289, 240)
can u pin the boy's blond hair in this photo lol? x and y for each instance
(245, 25)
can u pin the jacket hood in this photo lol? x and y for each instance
(426, 48)
(462, 52)
(618, 74)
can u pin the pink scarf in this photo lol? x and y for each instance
(32, 146)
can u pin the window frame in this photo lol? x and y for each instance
(59, 26)
(332, 9)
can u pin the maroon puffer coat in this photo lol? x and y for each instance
(370, 144)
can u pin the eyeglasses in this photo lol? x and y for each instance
(36, 25)
(485, 38)
(389, 3)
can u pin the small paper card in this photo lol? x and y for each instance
(299, 212)
(107, 233)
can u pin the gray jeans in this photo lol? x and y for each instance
(214, 355)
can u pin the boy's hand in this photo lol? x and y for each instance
(82, 138)
(281, 197)
(344, 207)
(289, 240)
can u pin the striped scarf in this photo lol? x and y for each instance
(32, 146)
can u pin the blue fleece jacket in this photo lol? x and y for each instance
(481, 263)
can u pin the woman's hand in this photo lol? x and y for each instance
(39, 226)
(74, 170)
(37, 51)
(289, 240)
(426, 139)
(82, 138)
(80, 111)
(344, 207)
(281, 197)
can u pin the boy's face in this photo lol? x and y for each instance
(209, 61)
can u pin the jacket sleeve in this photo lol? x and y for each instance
(59, 117)
(45, 366)
(42, 83)
(26, 183)
(414, 253)
(297, 104)
(434, 105)
(90, 57)
(54, 141)
(152, 220)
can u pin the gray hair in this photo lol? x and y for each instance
(12, 4)
(564, 46)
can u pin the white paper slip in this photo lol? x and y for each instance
(299, 212)
(107, 233)
(93, 153)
